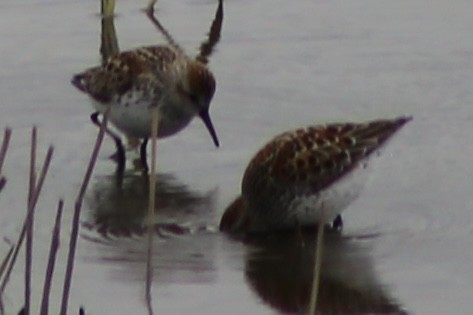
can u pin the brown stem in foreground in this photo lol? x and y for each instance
(4, 147)
(3, 181)
(76, 216)
(31, 206)
(317, 265)
(51, 260)
(29, 227)
(150, 14)
(108, 41)
(107, 8)
(5, 260)
(3, 267)
(207, 47)
(151, 207)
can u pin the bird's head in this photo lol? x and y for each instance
(197, 88)
(235, 219)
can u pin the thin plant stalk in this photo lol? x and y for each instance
(5, 260)
(109, 41)
(51, 260)
(34, 200)
(207, 47)
(150, 14)
(151, 207)
(150, 6)
(3, 267)
(317, 265)
(32, 178)
(4, 147)
(107, 8)
(76, 215)
(30, 220)
(3, 181)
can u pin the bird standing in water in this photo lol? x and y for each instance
(297, 178)
(130, 83)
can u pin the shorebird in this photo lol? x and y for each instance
(298, 178)
(132, 82)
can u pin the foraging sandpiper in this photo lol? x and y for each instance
(132, 82)
(296, 178)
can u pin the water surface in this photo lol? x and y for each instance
(279, 65)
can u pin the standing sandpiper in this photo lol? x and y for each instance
(132, 82)
(297, 178)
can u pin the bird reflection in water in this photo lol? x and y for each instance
(119, 207)
(279, 269)
(184, 249)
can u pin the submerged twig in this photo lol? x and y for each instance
(317, 265)
(76, 216)
(29, 222)
(31, 206)
(4, 147)
(51, 260)
(151, 207)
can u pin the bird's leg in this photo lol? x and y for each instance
(299, 236)
(143, 158)
(120, 154)
(337, 223)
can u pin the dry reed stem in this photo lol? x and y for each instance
(150, 6)
(29, 227)
(51, 260)
(107, 8)
(109, 42)
(5, 260)
(76, 215)
(2, 270)
(4, 147)
(31, 206)
(317, 265)
(151, 207)
(150, 14)
(3, 181)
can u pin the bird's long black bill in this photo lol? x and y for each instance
(204, 115)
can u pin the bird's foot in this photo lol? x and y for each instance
(337, 224)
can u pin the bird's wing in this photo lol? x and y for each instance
(318, 156)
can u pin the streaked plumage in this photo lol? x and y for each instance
(293, 177)
(130, 83)
(133, 81)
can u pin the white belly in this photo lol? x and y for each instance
(134, 118)
(328, 203)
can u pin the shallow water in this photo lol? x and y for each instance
(279, 65)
